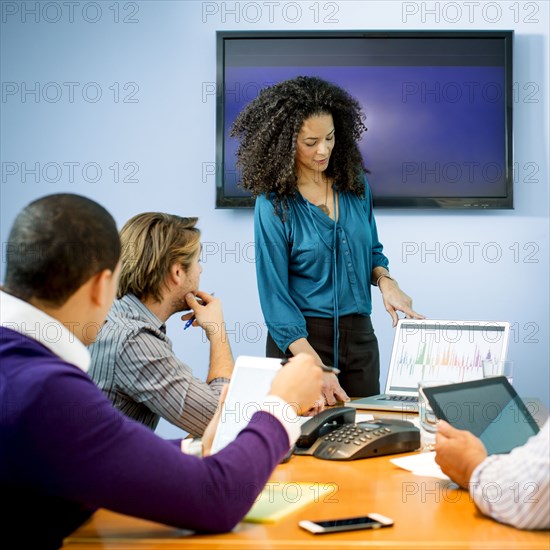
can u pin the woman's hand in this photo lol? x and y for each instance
(396, 300)
(331, 389)
(331, 393)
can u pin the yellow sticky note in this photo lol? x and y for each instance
(279, 499)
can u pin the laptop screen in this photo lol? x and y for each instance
(443, 350)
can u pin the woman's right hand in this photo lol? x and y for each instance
(298, 383)
(331, 389)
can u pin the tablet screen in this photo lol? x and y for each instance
(249, 386)
(489, 408)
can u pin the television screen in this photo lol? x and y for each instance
(438, 108)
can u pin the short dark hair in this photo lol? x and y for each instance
(56, 244)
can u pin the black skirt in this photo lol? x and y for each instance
(358, 357)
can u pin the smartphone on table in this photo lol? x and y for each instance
(370, 521)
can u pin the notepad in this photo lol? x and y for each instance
(278, 499)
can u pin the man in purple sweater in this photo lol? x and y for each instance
(64, 450)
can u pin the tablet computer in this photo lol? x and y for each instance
(250, 383)
(490, 408)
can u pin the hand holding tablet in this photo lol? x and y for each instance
(490, 408)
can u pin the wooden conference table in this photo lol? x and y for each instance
(428, 514)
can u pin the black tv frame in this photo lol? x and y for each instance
(223, 200)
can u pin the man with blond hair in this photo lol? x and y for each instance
(133, 361)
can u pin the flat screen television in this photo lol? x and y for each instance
(438, 108)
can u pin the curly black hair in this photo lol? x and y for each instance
(269, 125)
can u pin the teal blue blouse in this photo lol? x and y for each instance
(310, 266)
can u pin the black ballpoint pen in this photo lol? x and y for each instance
(322, 367)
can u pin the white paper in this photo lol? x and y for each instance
(363, 417)
(420, 464)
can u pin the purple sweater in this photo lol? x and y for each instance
(65, 451)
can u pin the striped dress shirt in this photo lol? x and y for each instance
(514, 488)
(134, 364)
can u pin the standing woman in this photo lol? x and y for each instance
(317, 248)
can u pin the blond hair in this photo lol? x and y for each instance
(152, 243)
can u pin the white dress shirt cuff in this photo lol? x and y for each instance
(285, 414)
(476, 486)
(191, 447)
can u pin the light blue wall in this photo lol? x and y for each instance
(161, 124)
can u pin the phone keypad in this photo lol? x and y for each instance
(352, 433)
(366, 439)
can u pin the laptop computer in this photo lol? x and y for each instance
(432, 349)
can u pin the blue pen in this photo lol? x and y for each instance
(190, 321)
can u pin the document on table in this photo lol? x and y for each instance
(420, 464)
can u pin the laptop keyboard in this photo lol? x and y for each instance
(408, 398)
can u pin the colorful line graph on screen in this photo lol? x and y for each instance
(429, 356)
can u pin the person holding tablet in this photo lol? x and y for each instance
(317, 246)
(512, 488)
(65, 451)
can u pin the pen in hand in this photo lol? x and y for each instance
(322, 367)
(192, 319)
(189, 322)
